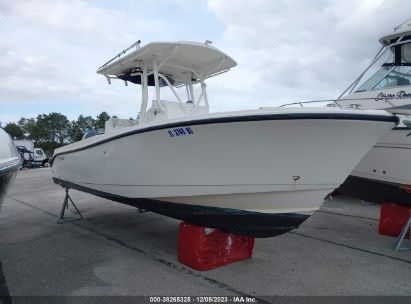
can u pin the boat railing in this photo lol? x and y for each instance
(122, 53)
(336, 102)
(303, 103)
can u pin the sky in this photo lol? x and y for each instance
(286, 50)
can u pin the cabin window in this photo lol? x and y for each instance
(406, 53)
(39, 152)
(391, 56)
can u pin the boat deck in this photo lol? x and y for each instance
(118, 251)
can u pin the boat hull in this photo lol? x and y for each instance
(6, 178)
(243, 222)
(270, 167)
(377, 191)
(384, 174)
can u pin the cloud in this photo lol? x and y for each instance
(50, 50)
(286, 50)
(298, 49)
(74, 18)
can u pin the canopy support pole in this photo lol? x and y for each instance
(156, 82)
(144, 93)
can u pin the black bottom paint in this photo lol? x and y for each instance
(242, 222)
(376, 191)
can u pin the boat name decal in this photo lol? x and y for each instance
(386, 97)
(180, 132)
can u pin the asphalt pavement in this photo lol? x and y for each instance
(117, 251)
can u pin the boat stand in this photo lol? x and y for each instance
(401, 237)
(62, 219)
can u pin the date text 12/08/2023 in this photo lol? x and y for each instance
(203, 299)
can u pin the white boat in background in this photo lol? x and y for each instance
(10, 162)
(257, 172)
(384, 174)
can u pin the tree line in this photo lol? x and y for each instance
(53, 130)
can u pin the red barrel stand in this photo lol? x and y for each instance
(395, 220)
(204, 248)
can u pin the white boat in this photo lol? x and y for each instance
(10, 162)
(384, 174)
(258, 172)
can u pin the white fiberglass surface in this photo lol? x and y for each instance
(179, 57)
(265, 111)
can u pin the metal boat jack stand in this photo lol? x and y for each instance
(402, 235)
(62, 219)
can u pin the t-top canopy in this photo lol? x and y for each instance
(404, 29)
(180, 62)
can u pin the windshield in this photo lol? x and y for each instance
(39, 152)
(399, 76)
(388, 77)
(373, 80)
(395, 71)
